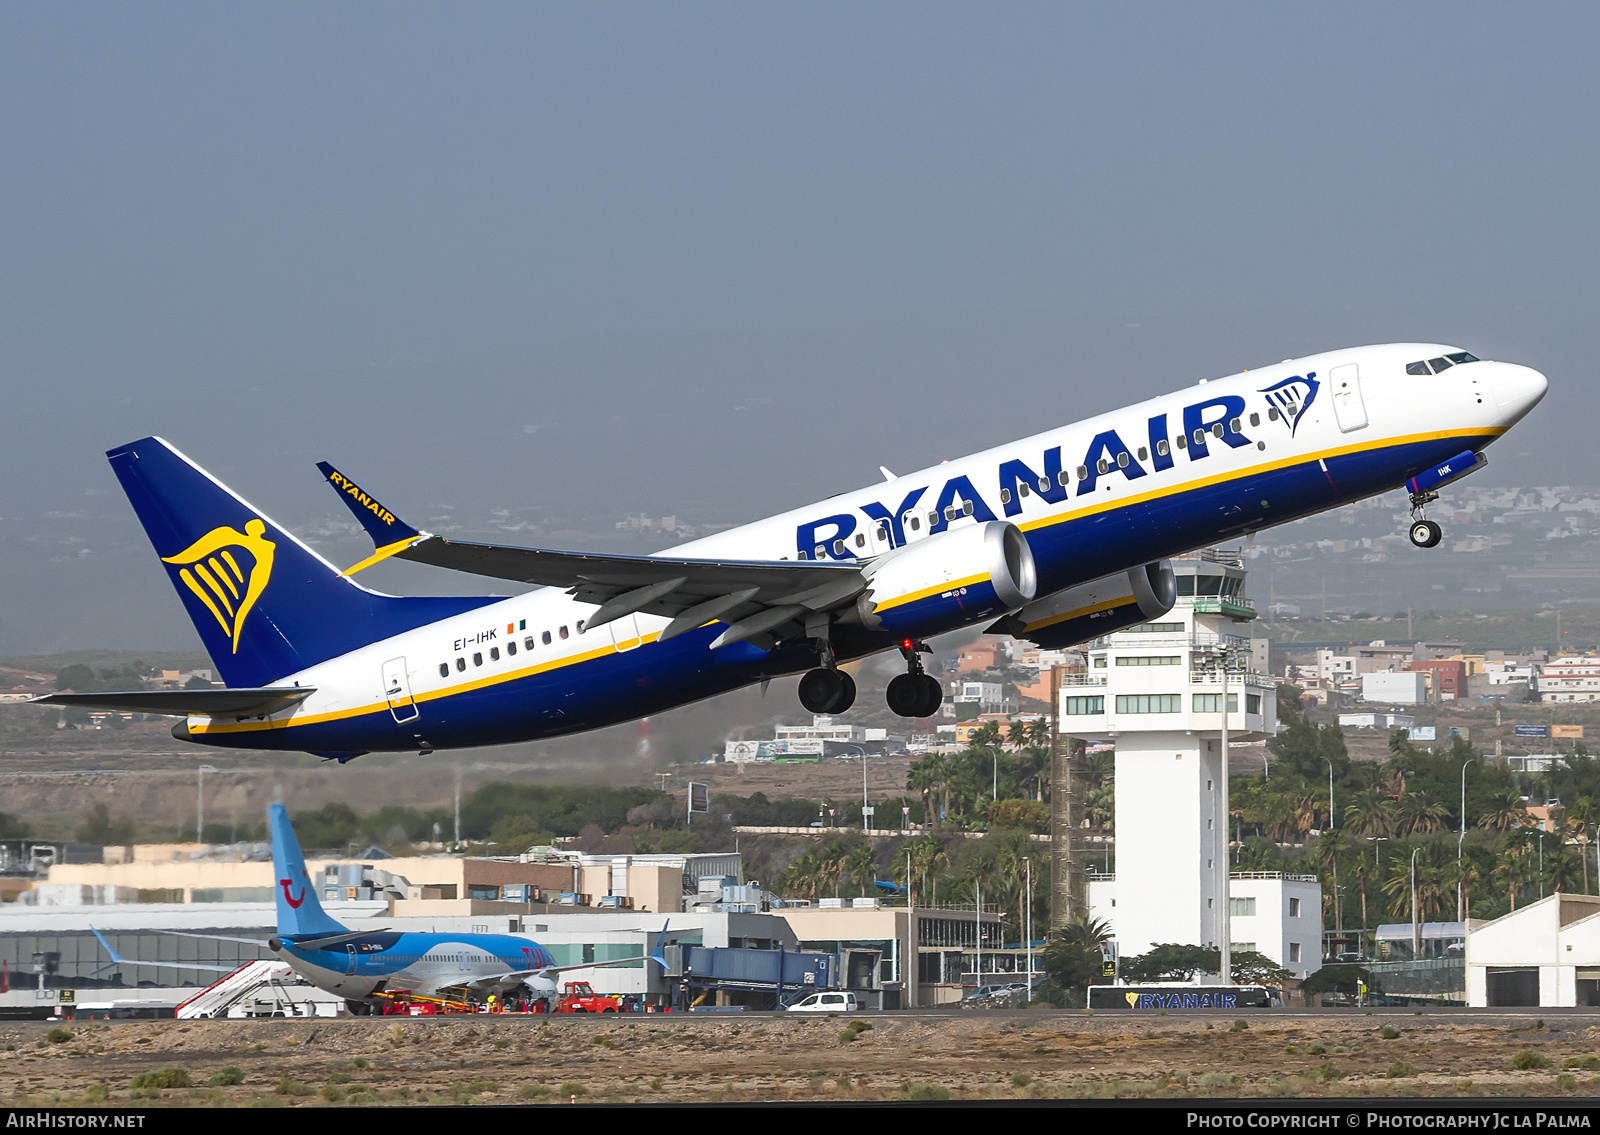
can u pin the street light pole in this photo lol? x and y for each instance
(1225, 920)
(1416, 927)
(1459, 913)
(1338, 907)
(200, 802)
(1028, 920)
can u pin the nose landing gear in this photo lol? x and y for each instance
(1424, 533)
(915, 693)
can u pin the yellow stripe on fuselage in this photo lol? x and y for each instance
(430, 695)
(936, 589)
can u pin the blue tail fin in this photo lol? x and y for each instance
(300, 914)
(265, 604)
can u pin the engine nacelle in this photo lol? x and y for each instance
(949, 581)
(1092, 609)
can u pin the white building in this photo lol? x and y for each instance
(1569, 680)
(1547, 954)
(1376, 720)
(1154, 690)
(1408, 687)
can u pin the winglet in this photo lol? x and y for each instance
(116, 958)
(389, 533)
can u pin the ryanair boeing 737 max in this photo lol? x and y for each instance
(1057, 538)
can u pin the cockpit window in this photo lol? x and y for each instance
(1441, 364)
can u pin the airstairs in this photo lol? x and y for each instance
(264, 988)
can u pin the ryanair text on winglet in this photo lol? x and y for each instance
(350, 488)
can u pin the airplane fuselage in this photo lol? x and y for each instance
(1215, 461)
(425, 964)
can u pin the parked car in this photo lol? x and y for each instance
(830, 1002)
(1001, 990)
(1349, 956)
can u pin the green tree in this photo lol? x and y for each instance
(99, 827)
(75, 677)
(1073, 959)
(1172, 961)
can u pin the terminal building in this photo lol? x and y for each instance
(1155, 691)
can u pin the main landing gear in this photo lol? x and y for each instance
(915, 693)
(1424, 533)
(827, 690)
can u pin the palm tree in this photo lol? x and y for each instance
(1418, 813)
(1579, 818)
(831, 860)
(1509, 871)
(860, 865)
(1505, 811)
(927, 776)
(1369, 814)
(1467, 875)
(802, 877)
(1366, 868)
(1100, 806)
(986, 736)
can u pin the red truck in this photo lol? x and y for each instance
(580, 997)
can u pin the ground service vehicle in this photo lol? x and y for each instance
(580, 997)
(827, 1003)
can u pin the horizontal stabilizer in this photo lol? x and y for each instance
(185, 703)
(331, 940)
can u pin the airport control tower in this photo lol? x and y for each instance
(1155, 691)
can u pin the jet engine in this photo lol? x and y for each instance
(950, 580)
(1092, 609)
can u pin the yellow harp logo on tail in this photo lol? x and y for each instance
(229, 572)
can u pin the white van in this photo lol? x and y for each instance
(827, 1003)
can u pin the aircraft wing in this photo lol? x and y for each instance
(246, 702)
(755, 598)
(551, 971)
(118, 960)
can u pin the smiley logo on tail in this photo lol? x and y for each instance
(294, 903)
(211, 568)
(1293, 397)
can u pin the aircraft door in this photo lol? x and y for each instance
(397, 689)
(1348, 406)
(625, 632)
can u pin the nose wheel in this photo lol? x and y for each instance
(1424, 533)
(914, 693)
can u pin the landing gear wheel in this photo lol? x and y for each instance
(906, 695)
(1426, 534)
(358, 1008)
(827, 691)
(932, 696)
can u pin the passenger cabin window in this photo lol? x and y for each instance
(1022, 488)
(527, 643)
(563, 632)
(1182, 441)
(444, 669)
(916, 525)
(1005, 495)
(1144, 454)
(545, 638)
(511, 648)
(1255, 419)
(1062, 477)
(861, 539)
(1103, 465)
(1122, 460)
(477, 659)
(494, 654)
(1163, 448)
(838, 547)
(461, 663)
(1083, 471)
(1272, 413)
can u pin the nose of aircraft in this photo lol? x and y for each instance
(1517, 389)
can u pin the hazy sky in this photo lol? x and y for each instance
(722, 259)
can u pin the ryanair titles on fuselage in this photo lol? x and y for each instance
(1220, 418)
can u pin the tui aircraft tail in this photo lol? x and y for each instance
(265, 604)
(300, 914)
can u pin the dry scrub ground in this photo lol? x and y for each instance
(980, 1055)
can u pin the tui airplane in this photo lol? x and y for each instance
(363, 965)
(1057, 538)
